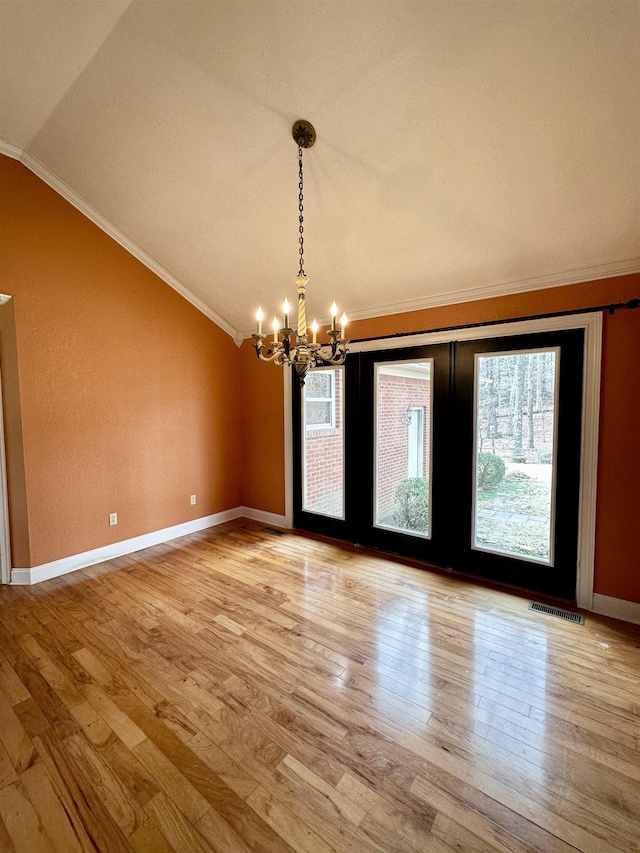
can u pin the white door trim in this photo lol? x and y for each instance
(592, 324)
(288, 448)
(5, 547)
(415, 430)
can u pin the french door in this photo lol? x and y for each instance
(465, 455)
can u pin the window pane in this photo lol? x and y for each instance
(323, 448)
(403, 446)
(515, 453)
(318, 414)
(318, 383)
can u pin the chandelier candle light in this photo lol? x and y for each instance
(300, 353)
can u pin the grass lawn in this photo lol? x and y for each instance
(519, 536)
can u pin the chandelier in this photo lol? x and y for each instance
(299, 352)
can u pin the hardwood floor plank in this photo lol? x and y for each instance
(221, 835)
(130, 771)
(52, 707)
(14, 738)
(128, 732)
(490, 831)
(171, 781)
(148, 839)
(382, 837)
(345, 808)
(181, 834)
(62, 685)
(22, 823)
(13, 689)
(8, 773)
(405, 823)
(513, 808)
(234, 691)
(81, 798)
(53, 817)
(459, 837)
(121, 808)
(94, 666)
(6, 844)
(33, 720)
(93, 725)
(543, 786)
(231, 773)
(296, 833)
(201, 780)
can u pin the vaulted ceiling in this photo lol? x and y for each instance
(464, 148)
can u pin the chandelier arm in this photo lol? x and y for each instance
(334, 357)
(266, 358)
(334, 362)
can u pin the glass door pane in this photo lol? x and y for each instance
(322, 423)
(515, 453)
(403, 407)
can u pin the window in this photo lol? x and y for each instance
(416, 442)
(320, 399)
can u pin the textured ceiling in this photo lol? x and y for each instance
(464, 148)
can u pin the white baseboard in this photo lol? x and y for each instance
(617, 608)
(603, 604)
(46, 571)
(265, 517)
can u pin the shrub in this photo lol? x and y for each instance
(546, 458)
(491, 470)
(518, 475)
(411, 504)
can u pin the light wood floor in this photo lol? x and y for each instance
(236, 691)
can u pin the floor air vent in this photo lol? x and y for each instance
(555, 611)
(273, 531)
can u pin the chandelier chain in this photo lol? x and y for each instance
(301, 211)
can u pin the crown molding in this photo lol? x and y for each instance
(10, 150)
(613, 269)
(39, 169)
(507, 288)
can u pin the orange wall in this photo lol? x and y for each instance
(618, 509)
(127, 401)
(121, 397)
(262, 388)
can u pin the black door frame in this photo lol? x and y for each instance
(417, 547)
(559, 580)
(592, 324)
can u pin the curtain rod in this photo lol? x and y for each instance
(611, 308)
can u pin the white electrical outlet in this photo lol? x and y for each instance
(193, 500)
(113, 518)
